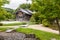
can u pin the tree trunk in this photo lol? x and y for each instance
(57, 21)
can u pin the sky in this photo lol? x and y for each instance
(15, 3)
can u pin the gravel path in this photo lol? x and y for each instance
(41, 27)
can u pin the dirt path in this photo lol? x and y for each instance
(40, 27)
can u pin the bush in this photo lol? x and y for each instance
(45, 22)
(1, 24)
(35, 18)
(23, 23)
(32, 19)
(2, 29)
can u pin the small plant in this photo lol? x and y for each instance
(1, 24)
(2, 29)
(45, 23)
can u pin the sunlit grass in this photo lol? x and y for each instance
(40, 34)
(14, 24)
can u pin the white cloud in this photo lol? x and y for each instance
(15, 3)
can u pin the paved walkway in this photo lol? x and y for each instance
(40, 27)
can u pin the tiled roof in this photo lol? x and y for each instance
(27, 11)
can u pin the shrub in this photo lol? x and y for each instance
(2, 29)
(23, 23)
(32, 19)
(35, 18)
(45, 22)
(1, 24)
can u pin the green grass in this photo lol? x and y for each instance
(40, 34)
(7, 26)
(14, 24)
(3, 29)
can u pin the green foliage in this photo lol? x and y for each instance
(9, 10)
(4, 14)
(2, 2)
(35, 18)
(24, 6)
(1, 24)
(46, 9)
(32, 20)
(2, 29)
(45, 22)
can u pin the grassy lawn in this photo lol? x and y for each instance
(2, 29)
(7, 26)
(14, 24)
(40, 34)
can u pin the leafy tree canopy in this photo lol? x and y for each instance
(24, 6)
(48, 10)
(3, 13)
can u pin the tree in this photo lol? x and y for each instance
(24, 6)
(2, 2)
(3, 12)
(9, 10)
(48, 9)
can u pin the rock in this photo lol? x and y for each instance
(17, 36)
(1, 37)
(13, 31)
(9, 30)
(30, 35)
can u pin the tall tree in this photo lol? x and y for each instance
(3, 13)
(48, 9)
(9, 10)
(24, 6)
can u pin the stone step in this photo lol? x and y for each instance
(31, 39)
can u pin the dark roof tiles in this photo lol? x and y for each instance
(27, 11)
